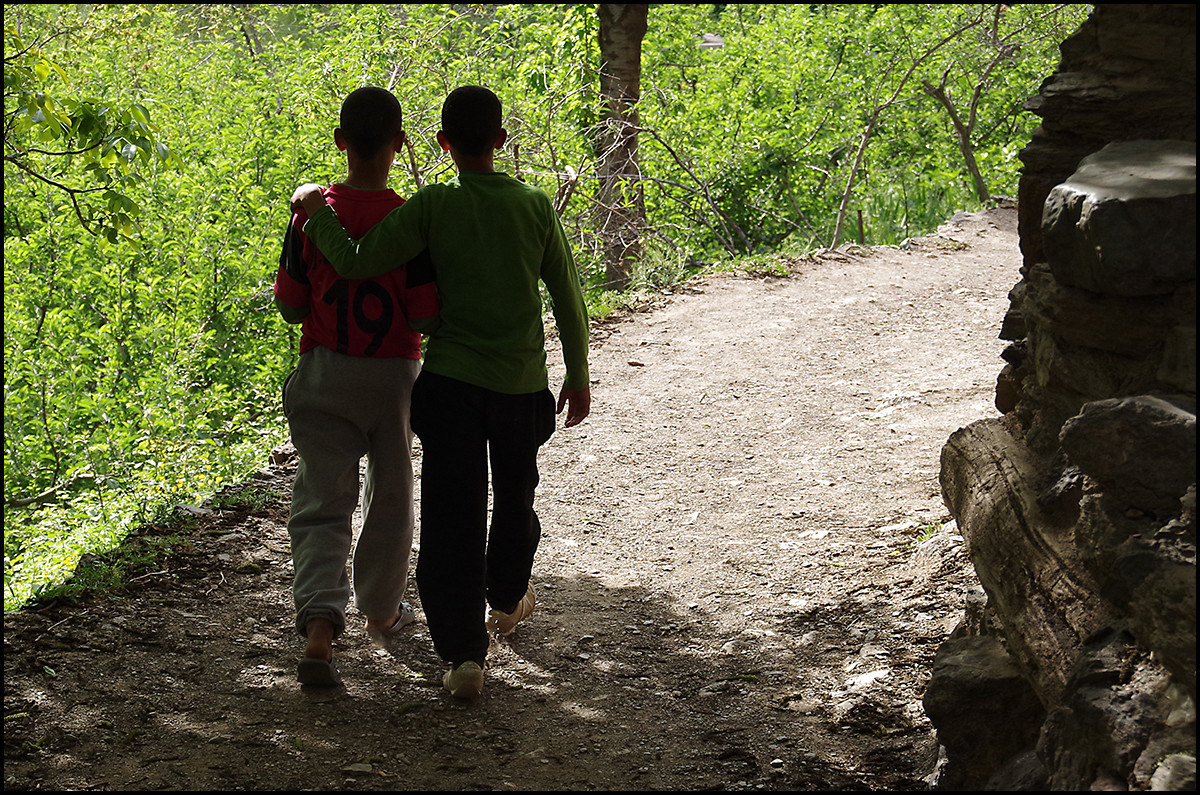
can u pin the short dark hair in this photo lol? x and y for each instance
(370, 119)
(471, 119)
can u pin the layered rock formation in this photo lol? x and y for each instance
(1078, 503)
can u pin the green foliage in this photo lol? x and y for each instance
(768, 266)
(139, 553)
(754, 142)
(247, 497)
(660, 271)
(96, 151)
(150, 151)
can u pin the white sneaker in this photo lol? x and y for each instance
(503, 624)
(465, 681)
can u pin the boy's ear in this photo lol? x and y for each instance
(442, 141)
(501, 138)
(338, 139)
(398, 141)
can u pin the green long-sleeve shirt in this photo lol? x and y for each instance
(492, 239)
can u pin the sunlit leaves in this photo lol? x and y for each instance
(768, 121)
(148, 354)
(77, 144)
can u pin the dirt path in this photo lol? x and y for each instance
(743, 579)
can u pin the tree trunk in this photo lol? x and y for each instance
(619, 195)
(962, 133)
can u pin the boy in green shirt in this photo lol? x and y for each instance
(482, 395)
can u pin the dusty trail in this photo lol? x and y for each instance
(743, 576)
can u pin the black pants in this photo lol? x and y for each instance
(462, 565)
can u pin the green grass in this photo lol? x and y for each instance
(660, 272)
(926, 532)
(767, 266)
(139, 553)
(247, 498)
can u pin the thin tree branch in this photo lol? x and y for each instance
(875, 114)
(71, 192)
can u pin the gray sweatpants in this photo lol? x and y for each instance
(340, 408)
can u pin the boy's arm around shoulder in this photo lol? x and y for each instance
(421, 307)
(387, 246)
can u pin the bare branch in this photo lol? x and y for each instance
(725, 219)
(33, 150)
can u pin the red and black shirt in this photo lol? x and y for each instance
(356, 317)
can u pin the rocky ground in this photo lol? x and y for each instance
(745, 573)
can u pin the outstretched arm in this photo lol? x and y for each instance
(570, 316)
(386, 246)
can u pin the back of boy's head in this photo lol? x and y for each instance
(370, 120)
(471, 119)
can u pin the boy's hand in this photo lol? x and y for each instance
(308, 197)
(578, 403)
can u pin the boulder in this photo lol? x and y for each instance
(1125, 222)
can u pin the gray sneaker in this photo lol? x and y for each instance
(407, 616)
(503, 624)
(465, 680)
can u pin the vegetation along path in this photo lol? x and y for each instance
(744, 576)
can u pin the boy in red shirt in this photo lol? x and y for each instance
(349, 397)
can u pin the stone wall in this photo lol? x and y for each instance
(1078, 503)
